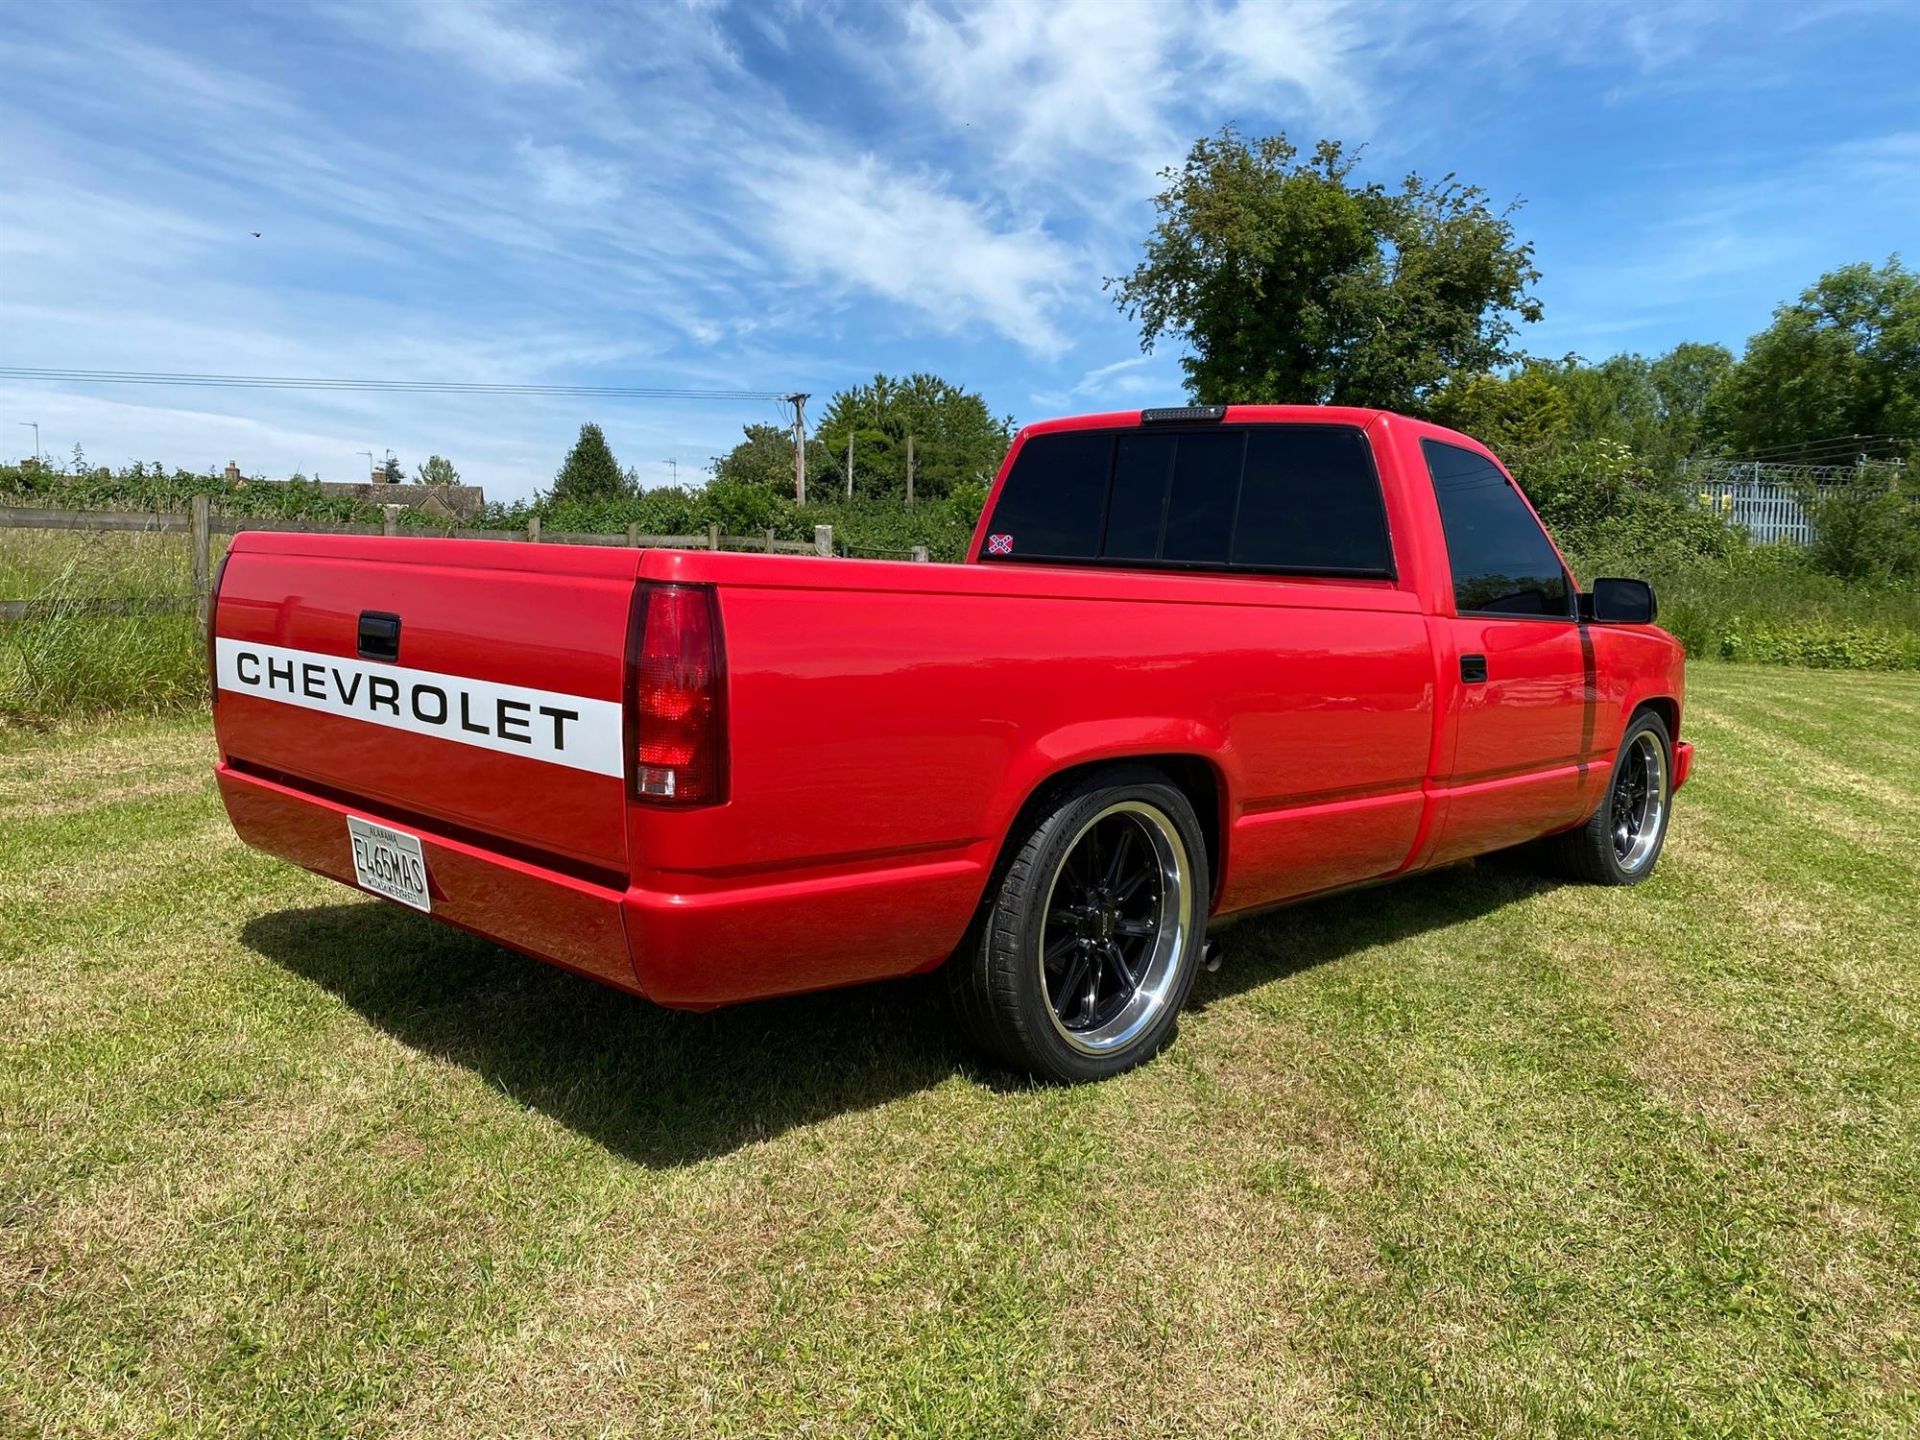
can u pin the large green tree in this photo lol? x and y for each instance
(1291, 280)
(1843, 359)
(590, 472)
(957, 440)
(764, 459)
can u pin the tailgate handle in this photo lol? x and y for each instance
(379, 635)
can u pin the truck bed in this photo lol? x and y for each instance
(885, 722)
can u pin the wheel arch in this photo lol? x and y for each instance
(1666, 707)
(1194, 775)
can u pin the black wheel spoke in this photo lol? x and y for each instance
(1119, 962)
(1069, 990)
(1136, 929)
(1117, 862)
(1058, 949)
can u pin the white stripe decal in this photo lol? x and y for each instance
(561, 729)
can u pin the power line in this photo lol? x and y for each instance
(1825, 444)
(403, 387)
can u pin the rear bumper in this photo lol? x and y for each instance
(689, 950)
(556, 917)
(1682, 763)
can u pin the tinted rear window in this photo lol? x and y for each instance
(1058, 505)
(1301, 498)
(1310, 501)
(1142, 465)
(1206, 484)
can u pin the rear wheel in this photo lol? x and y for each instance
(1622, 841)
(1091, 936)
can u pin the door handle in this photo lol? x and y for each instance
(1473, 669)
(379, 635)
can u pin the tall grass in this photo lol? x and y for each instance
(64, 660)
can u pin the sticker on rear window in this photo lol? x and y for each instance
(999, 544)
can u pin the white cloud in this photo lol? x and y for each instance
(1136, 379)
(1076, 77)
(492, 40)
(1255, 53)
(565, 178)
(1121, 81)
(906, 239)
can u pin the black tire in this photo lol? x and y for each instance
(1002, 980)
(1598, 852)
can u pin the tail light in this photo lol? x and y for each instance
(677, 691)
(213, 611)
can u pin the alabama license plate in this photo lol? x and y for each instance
(388, 862)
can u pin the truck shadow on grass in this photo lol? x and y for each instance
(667, 1088)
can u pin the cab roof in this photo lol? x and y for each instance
(1361, 416)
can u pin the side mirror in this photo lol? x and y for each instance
(1623, 602)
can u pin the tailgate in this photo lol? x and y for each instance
(498, 713)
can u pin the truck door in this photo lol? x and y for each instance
(1521, 665)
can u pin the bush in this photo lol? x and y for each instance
(1820, 645)
(152, 487)
(1866, 531)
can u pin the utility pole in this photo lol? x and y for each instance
(369, 455)
(673, 469)
(33, 425)
(799, 403)
(909, 470)
(849, 464)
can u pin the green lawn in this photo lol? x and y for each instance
(1479, 1154)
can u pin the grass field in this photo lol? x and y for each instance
(1481, 1154)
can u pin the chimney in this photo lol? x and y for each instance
(233, 472)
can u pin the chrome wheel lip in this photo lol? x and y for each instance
(1154, 988)
(1638, 802)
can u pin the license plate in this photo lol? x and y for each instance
(389, 862)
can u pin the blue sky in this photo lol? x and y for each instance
(792, 196)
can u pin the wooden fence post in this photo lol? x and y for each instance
(823, 539)
(533, 528)
(390, 519)
(713, 537)
(202, 553)
(920, 554)
(633, 533)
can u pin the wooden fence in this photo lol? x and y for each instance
(201, 525)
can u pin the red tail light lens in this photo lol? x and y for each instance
(678, 690)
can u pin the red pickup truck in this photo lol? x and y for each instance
(1199, 662)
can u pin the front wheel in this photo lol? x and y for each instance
(1622, 841)
(1091, 937)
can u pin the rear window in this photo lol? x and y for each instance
(1302, 499)
(1059, 508)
